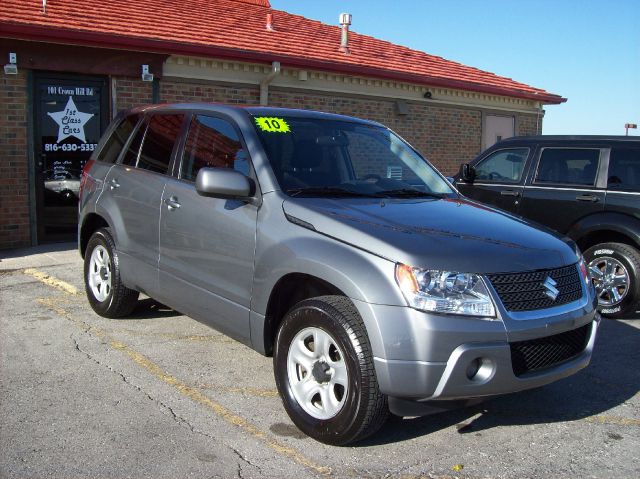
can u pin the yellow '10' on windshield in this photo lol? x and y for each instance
(272, 124)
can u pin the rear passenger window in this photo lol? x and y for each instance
(113, 146)
(624, 169)
(212, 142)
(503, 166)
(130, 157)
(161, 136)
(575, 166)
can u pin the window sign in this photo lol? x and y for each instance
(71, 128)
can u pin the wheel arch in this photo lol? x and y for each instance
(90, 224)
(287, 292)
(606, 228)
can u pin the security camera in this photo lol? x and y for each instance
(427, 95)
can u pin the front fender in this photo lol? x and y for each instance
(283, 248)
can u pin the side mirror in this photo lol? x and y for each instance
(467, 173)
(224, 183)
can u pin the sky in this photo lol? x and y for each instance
(586, 51)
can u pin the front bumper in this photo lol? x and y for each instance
(430, 358)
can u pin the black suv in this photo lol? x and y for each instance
(587, 187)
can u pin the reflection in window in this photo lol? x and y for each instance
(503, 166)
(212, 142)
(576, 166)
(162, 132)
(118, 138)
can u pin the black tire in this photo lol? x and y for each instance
(364, 409)
(118, 300)
(629, 258)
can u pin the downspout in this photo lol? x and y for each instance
(264, 84)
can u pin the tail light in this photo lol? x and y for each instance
(85, 174)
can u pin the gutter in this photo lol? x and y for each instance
(120, 42)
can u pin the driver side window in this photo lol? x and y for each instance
(503, 166)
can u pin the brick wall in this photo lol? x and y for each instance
(178, 92)
(132, 92)
(529, 125)
(14, 176)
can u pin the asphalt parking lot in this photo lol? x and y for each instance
(161, 395)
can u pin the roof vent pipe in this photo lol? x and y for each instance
(345, 21)
(264, 84)
(270, 22)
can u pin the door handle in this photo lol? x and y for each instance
(510, 193)
(114, 184)
(172, 203)
(591, 198)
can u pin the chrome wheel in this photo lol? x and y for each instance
(611, 280)
(100, 273)
(317, 373)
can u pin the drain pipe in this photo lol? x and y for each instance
(264, 84)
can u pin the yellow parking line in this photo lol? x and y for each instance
(257, 392)
(51, 281)
(190, 392)
(615, 420)
(218, 408)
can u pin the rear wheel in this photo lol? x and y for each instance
(615, 272)
(324, 372)
(106, 294)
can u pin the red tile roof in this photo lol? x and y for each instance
(236, 29)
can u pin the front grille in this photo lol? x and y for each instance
(537, 354)
(525, 291)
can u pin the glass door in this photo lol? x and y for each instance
(70, 114)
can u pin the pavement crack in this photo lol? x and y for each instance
(244, 460)
(176, 417)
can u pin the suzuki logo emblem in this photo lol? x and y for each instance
(550, 286)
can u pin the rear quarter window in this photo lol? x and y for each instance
(118, 138)
(624, 169)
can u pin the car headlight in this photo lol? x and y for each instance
(445, 291)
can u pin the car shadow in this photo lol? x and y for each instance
(612, 378)
(149, 308)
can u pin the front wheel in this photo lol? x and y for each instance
(106, 294)
(615, 272)
(324, 372)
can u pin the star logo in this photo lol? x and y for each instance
(71, 121)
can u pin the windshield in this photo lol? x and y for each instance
(319, 157)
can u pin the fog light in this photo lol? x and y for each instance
(473, 367)
(480, 370)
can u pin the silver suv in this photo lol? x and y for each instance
(331, 244)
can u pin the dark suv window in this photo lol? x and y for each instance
(624, 169)
(576, 166)
(503, 166)
(161, 136)
(212, 142)
(113, 146)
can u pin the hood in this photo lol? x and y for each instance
(453, 234)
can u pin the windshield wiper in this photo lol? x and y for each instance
(409, 193)
(326, 191)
